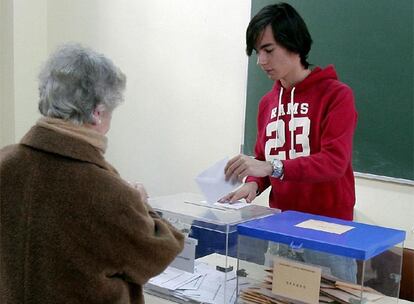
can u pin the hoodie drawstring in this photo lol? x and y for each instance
(292, 152)
(278, 116)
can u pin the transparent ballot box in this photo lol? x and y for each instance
(317, 259)
(205, 271)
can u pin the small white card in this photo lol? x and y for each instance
(296, 281)
(324, 226)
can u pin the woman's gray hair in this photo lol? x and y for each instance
(74, 80)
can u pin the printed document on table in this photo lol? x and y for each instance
(213, 184)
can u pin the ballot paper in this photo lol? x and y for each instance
(213, 184)
(234, 205)
(220, 206)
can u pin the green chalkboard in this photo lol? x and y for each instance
(370, 42)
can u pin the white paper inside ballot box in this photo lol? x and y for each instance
(185, 260)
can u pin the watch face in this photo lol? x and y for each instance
(277, 168)
(279, 164)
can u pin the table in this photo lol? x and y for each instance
(216, 259)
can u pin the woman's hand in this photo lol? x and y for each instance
(247, 191)
(141, 189)
(241, 166)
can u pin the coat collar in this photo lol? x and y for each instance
(51, 141)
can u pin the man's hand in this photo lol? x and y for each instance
(241, 166)
(247, 191)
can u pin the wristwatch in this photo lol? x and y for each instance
(277, 166)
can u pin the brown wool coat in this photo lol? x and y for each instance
(72, 231)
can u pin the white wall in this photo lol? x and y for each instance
(22, 49)
(187, 72)
(29, 42)
(6, 73)
(388, 204)
(186, 67)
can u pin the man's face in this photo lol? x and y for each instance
(275, 60)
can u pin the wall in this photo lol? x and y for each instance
(23, 49)
(29, 52)
(388, 204)
(186, 67)
(186, 88)
(6, 74)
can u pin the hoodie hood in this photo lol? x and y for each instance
(316, 75)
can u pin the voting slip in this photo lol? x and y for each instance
(213, 184)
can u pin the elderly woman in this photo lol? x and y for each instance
(72, 231)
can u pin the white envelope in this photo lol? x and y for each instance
(213, 184)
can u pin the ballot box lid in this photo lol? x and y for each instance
(321, 233)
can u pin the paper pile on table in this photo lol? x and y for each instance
(205, 285)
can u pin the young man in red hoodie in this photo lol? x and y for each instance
(305, 124)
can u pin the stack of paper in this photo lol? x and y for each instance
(205, 285)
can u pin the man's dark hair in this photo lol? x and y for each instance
(289, 30)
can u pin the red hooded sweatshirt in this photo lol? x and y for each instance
(310, 128)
